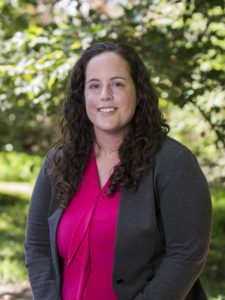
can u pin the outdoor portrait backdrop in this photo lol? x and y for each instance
(183, 44)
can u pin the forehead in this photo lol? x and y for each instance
(107, 62)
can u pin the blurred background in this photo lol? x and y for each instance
(182, 42)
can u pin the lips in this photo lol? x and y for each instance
(107, 109)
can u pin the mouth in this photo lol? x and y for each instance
(107, 109)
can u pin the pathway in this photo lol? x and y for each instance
(20, 291)
(16, 186)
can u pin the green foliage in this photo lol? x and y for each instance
(13, 211)
(188, 126)
(214, 273)
(17, 166)
(182, 42)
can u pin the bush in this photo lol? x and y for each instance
(16, 166)
(214, 272)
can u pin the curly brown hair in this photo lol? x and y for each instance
(147, 130)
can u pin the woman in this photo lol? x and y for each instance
(119, 210)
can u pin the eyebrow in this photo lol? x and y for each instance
(112, 78)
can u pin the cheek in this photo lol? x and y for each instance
(131, 103)
(90, 106)
(90, 95)
(87, 103)
(88, 100)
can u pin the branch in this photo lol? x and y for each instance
(219, 133)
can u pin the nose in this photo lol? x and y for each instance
(106, 93)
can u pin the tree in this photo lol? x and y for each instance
(182, 42)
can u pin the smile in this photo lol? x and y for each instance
(107, 109)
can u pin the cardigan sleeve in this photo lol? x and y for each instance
(37, 241)
(185, 209)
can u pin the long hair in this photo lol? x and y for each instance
(144, 138)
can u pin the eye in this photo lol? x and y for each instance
(93, 86)
(117, 84)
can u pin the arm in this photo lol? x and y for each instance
(185, 209)
(37, 242)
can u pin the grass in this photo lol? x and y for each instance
(19, 166)
(13, 212)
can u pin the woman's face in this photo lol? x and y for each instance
(110, 94)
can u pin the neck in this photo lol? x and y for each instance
(107, 144)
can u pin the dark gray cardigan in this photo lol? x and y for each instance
(162, 237)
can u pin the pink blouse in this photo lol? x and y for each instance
(86, 238)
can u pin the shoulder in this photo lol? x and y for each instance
(175, 164)
(174, 158)
(47, 169)
(53, 153)
(172, 151)
(171, 146)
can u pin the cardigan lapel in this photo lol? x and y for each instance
(136, 228)
(53, 222)
(126, 228)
